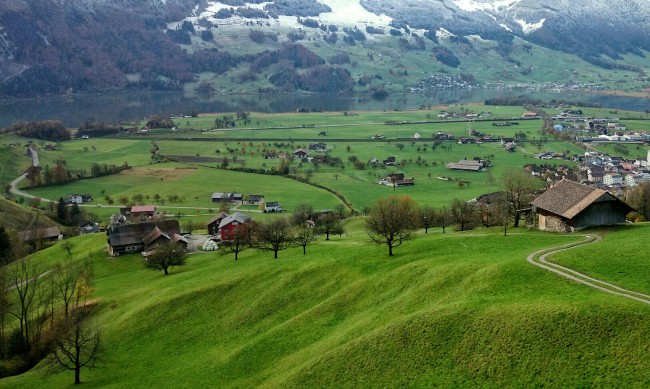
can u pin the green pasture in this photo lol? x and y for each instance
(621, 258)
(455, 309)
(194, 186)
(79, 154)
(633, 150)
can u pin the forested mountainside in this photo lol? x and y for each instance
(50, 47)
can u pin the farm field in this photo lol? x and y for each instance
(454, 309)
(347, 136)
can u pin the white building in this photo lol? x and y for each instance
(633, 180)
(612, 179)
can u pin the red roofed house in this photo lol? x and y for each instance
(569, 206)
(138, 211)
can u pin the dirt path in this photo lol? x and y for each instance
(538, 259)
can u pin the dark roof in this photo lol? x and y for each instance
(128, 234)
(218, 218)
(44, 233)
(255, 197)
(569, 198)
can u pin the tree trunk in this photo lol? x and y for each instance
(165, 269)
(327, 235)
(390, 250)
(304, 250)
(517, 216)
(275, 254)
(77, 366)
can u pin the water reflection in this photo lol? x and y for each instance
(117, 107)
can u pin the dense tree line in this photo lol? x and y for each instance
(49, 130)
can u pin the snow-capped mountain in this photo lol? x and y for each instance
(58, 46)
(588, 28)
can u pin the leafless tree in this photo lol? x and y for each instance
(76, 345)
(274, 236)
(304, 236)
(392, 221)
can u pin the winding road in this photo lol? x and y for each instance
(539, 259)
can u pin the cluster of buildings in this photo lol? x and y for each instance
(606, 171)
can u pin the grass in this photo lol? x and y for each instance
(459, 309)
(622, 258)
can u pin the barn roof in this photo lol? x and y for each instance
(568, 198)
(143, 208)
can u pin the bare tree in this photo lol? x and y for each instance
(274, 236)
(427, 218)
(392, 221)
(328, 224)
(76, 345)
(23, 280)
(166, 255)
(304, 236)
(463, 214)
(240, 239)
(521, 188)
(443, 219)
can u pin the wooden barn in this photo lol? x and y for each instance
(569, 206)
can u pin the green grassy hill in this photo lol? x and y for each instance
(455, 309)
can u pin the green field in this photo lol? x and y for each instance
(284, 133)
(622, 258)
(455, 309)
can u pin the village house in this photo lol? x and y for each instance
(272, 206)
(157, 237)
(230, 223)
(301, 153)
(130, 238)
(319, 147)
(143, 211)
(569, 206)
(397, 179)
(612, 179)
(390, 161)
(467, 165)
(255, 199)
(213, 224)
(47, 233)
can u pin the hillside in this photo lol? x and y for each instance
(19, 218)
(449, 310)
(53, 48)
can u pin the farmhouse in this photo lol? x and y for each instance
(213, 224)
(130, 238)
(229, 224)
(397, 179)
(255, 199)
(157, 237)
(569, 206)
(467, 165)
(143, 211)
(272, 206)
(48, 233)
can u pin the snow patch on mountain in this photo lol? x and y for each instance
(493, 6)
(351, 13)
(527, 28)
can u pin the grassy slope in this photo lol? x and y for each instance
(453, 309)
(14, 216)
(622, 258)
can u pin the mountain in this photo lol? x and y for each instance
(588, 28)
(54, 47)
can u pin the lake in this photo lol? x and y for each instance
(130, 106)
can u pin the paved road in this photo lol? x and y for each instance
(538, 259)
(14, 189)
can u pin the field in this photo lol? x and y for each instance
(622, 258)
(348, 135)
(455, 309)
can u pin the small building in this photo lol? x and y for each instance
(611, 179)
(301, 153)
(272, 206)
(390, 161)
(529, 115)
(47, 233)
(229, 224)
(129, 238)
(213, 224)
(255, 199)
(467, 165)
(157, 237)
(569, 206)
(143, 211)
(88, 227)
